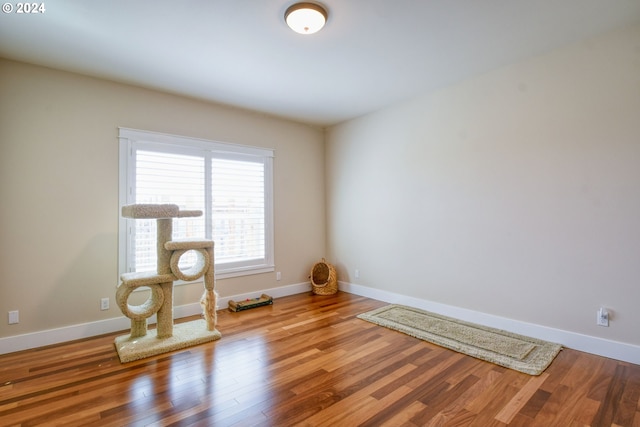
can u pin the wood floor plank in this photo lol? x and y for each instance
(437, 403)
(402, 418)
(630, 396)
(535, 403)
(308, 360)
(347, 409)
(452, 412)
(586, 412)
(521, 398)
(489, 404)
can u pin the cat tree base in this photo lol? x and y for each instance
(184, 335)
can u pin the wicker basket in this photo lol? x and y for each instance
(323, 278)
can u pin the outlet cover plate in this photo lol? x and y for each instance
(603, 317)
(14, 317)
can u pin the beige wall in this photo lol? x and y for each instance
(59, 190)
(516, 193)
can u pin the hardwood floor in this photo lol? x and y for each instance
(308, 361)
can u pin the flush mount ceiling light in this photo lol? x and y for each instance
(305, 18)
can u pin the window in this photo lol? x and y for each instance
(231, 184)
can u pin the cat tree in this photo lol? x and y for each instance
(141, 343)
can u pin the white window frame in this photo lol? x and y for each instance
(130, 138)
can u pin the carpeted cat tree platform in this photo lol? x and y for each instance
(141, 343)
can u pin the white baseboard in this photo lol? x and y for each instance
(599, 346)
(122, 323)
(589, 344)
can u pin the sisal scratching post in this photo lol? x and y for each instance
(166, 337)
(209, 300)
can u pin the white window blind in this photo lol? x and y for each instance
(231, 185)
(167, 178)
(238, 210)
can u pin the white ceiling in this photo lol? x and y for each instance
(370, 54)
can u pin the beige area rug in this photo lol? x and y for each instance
(513, 351)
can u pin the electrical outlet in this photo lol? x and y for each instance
(278, 276)
(14, 317)
(357, 274)
(603, 317)
(104, 304)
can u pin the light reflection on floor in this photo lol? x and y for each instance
(231, 370)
